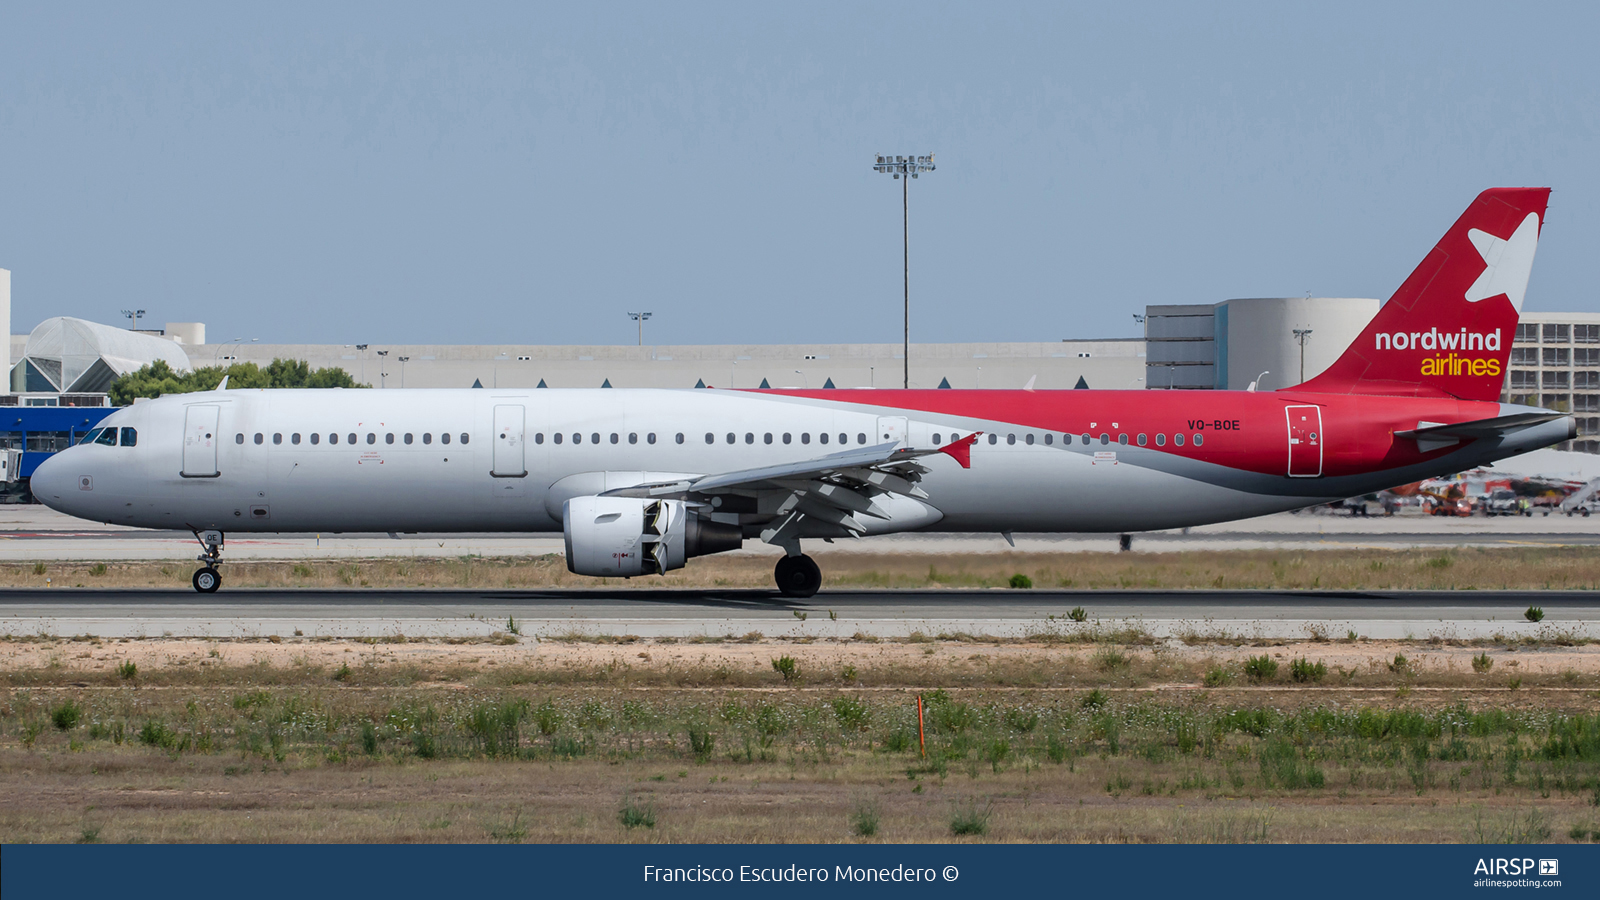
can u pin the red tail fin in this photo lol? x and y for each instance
(1448, 329)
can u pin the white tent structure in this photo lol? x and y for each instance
(67, 355)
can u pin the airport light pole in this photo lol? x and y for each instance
(905, 168)
(1300, 335)
(640, 317)
(362, 349)
(217, 357)
(134, 315)
(381, 373)
(403, 361)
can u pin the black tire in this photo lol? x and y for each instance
(207, 580)
(797, 576)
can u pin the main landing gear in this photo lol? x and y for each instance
(207, 579)
(797, 576)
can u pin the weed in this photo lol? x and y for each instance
(342, 673)
(1482, 663)
(511, 626)
(66, 715)
(800, 615)
(128, 670)
(89, 835)
(787, 667)
(97, 569)
(369, 739)
(701, 742)
(1261, 668)
(1094, 699)
(1020, 581)
(634, 814)
(513, 831)
(1534, 613)
(1441, 562)
(1217, 676)
(1514, 683)
(1303, 670)
(1401, 665)
(970, 818)
(864, 818)
(301, 570)
(39, 568)
(1110, 659)
(1078, 614)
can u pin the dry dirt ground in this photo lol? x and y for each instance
(516, 740)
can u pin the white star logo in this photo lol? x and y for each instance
(1506, 263)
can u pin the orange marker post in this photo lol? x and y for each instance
(922, 738)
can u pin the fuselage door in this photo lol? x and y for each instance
(890, 428)
(509, 443)
(200, 442)
(1305, 441)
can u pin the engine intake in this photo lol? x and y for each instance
(627, 536)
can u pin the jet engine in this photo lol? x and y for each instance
(627, 536)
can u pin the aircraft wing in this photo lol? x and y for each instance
(830, 489)
(1479, 428)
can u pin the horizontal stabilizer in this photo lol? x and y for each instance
(1479, 428)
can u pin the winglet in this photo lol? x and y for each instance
(961, 451)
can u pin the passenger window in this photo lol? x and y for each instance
(1161, 440)
(1028, 438)
(1066, 440)
(787, 437)
(711, 438)
(388, 438)
(315, 437)
(556, 437)
(766, 438)
(731, 437)
(466, 437)
(577, 438)
(107, 437)
(1122, 439)
(1049, 439)
(294, 438)
(861, 438)
(1199, 439)
(954, 437)
(352, 437)
(537, 438)
(614, 437)
(1011, 439)
(593, 438)
(1105, 439)
(936, 437)
(372, 438)
(277, 437)
(844, 438)
(238, 438)
(633, 437)
(680, 437)
(1086, 440)
(444, 438)
(749, 438)
(805, 437)
(260, 437)
(1177, 440)
(427, 437)
(1141, 440)
(994, 438)
(650, 438)
(823, 437)
(333, 437)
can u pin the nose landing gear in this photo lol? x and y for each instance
(207, 579)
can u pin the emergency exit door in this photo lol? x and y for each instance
(891, 429)
(509, 443)
(200, 442)
(1305, 441)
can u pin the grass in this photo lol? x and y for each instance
(971, 818)
(1261, 668)
(1534, 614)
(1512, 568)
(864, 818)
(635, 814)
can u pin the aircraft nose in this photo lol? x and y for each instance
(53, 484)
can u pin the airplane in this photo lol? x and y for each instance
(639, 481)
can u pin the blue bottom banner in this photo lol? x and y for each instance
(309, 871)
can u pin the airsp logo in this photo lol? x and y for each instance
(1524, 866)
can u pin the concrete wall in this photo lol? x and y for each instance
(1103, 364)
(1260, 337)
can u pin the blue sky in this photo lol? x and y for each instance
(477, 173)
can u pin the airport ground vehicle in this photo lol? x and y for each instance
(639, 481)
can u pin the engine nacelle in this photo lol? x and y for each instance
(627, 536)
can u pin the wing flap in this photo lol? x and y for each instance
(1479, 428)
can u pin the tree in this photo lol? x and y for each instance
(157, 379)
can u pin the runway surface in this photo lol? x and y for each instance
(685, 614)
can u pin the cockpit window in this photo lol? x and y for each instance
(130, 437)
(108, 437)
(89, 436)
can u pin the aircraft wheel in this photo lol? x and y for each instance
(207, 580)
(797, 576)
